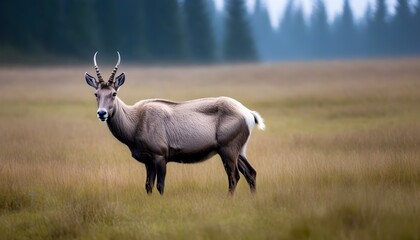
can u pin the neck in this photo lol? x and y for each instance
(122, 122)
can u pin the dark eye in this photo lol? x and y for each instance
(96, 95)
(114, 94)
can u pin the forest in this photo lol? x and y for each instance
(195, 31)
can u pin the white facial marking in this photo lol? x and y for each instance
(102, 114)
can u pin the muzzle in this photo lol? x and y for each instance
(102, 114)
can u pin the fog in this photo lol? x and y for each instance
(204, 32)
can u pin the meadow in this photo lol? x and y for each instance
(340, 158)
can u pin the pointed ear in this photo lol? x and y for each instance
(91, 81)
(119, 81)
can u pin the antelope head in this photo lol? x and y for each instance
(106, 92)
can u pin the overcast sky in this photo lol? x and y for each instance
(276, 7)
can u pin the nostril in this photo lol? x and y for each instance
(101, 113)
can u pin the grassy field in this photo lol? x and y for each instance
(340, 158)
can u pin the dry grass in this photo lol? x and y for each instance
(339, 160)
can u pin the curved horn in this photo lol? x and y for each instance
(98, 73)
(111, 78)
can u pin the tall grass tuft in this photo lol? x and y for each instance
(81, 210)
(14, 198)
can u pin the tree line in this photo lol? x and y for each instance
(376, 34)
(194, 31)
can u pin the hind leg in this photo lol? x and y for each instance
(248, 171)
(160, 165)
(229, 159)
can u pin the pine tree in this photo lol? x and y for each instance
(200, 39)
(5, 19)
(345, 39)
(131, 14)
(287, 19)
(299, 34)
(416, 24)
(9, 14)
(77, 33)
(45, 21)
(292, 33)
(165, 39)
(20, 25)
(402, 29)
(284, 32)
(381, 13)
(402, 13)
(365, 32)
(319, 32)
(378, 29)
(347, 17)
(217, 24)
(262, 31)
(368, 16)
(108, 23)
(238, 43)
(417, 14)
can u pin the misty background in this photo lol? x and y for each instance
(200, 31)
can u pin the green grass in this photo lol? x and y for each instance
(339, 158)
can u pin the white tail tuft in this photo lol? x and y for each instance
(258, 120)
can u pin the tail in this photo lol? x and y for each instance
(258, 120)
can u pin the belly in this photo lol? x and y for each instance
(181, 156)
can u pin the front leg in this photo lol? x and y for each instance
(150, 177)
(160, 165)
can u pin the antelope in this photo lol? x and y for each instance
(159, 131)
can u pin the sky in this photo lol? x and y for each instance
(276, 7)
